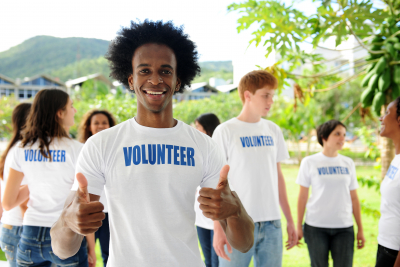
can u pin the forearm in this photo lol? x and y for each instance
(283, 200)
(239, 230)
(10, 203)
(301, 208)
(91, 242)
(64, 242)
(357, 213)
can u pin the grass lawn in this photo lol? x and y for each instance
(298, 257)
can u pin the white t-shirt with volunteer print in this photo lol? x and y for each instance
(201, 220)
(49, 182)
(331, 180)
(252, 151)
(389, 223)
(150, 176)
(13, 216)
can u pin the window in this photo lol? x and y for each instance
(28, 93)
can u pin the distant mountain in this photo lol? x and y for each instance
(57, 57)
(44, 54)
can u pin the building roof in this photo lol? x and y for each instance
(3, 77)
(195, 86)
(226, 88)
(81, 80)
(47, 77)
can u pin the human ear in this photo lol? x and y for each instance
(246, 95)
(60, 114)
(178, 84)
(130, 82)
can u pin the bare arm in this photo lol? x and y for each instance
(284, 203)
(14, 193)
(24, 207)
(301, 208)
(223, 205)
(397, 263)
(91, 249)
(357, 216)
(82, 215)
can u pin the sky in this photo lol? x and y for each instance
(207, 22)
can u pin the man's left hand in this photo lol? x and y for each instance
(220, 203)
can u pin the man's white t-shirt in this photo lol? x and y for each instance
(150, 176)
(49, 182)
(389, 223)
(13, 216)
(201, 220)
(331, 180)
(252, 151)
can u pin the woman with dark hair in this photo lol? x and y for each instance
(329, 224)
(46, 159)
(93, 122)
(389, 231)
(206, 123)
(12, 220)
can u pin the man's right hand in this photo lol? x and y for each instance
(82, 216)
(220, 241)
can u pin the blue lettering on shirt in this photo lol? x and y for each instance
(34, 155)
(332, 170)
(142, 154)
(256, 141)
(391, 172)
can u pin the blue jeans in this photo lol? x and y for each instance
(340, 241)
(267, 248)
(206, 241)
(34, 249)
(10, 236)
(103, 234)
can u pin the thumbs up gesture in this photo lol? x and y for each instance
(83, 216)
(220, 203)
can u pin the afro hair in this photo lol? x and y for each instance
(121, 50)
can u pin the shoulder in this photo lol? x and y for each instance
(272, 125)
(312, 158)
(346, 159)
(110, 134)
(227, 125)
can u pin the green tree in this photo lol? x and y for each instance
(283, 28)
(7, 105)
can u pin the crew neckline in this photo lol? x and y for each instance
(158, 131)
(248, 123)
(329, 158)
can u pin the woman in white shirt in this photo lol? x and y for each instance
(389, 223)
(12, 219)
(329, 223)
(95, 121)
(46, 159)
(206, 123)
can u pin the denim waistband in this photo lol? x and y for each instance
(37, 233)
(15, 230)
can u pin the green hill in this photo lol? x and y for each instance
(44, 54)
(57, 57)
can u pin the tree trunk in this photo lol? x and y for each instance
(308, 143)
(387, 150)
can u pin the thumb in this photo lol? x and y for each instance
(228, 246)
(223, 177)
(82, 183)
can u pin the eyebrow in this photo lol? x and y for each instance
(163, 66)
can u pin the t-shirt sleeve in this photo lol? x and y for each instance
(90, 164)
(281, 148)
(15, 159)
(213, 164)
(353, 175)
(304, 178)
(221, 139)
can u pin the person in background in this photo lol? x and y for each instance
(12, 219)
(93, 122)
(254, 147)
(46, 159)
(329, 221)
(206, 123)
(389, 224)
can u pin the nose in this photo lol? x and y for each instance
(155, 79)
(381, 118)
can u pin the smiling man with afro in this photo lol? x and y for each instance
(151, 164)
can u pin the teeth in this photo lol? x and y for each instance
(154, 93)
